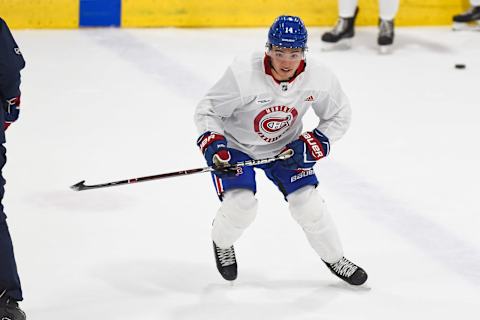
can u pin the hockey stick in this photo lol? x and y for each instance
(80, 186)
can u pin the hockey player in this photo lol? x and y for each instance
(11, 62)
(255, 111)
(344, 30)
(472, 15)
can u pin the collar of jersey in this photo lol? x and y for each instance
(267, 64)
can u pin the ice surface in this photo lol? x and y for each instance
(111, 104)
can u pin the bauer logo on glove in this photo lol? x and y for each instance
(307, 150)
(313, 144)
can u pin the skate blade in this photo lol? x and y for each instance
(343, 44)
(385, 49)
(460, 26)
(465, 26)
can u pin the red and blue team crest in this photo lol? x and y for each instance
(270, 124)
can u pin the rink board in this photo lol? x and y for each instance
(35, 14)
(210, 13)
(254, 13)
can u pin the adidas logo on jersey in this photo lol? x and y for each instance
(310, 98)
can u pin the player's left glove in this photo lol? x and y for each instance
(214, 148)
(11, 108)
(307, 150)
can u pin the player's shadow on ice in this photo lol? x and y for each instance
(252, 296)
(264, 299)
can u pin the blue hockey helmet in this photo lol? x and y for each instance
(288, 32)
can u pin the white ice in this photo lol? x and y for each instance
(111, 104)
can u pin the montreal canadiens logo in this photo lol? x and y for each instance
(270, 124)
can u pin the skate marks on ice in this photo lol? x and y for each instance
(145, 277)
(431, 238)
(67, 201)
(150, 60)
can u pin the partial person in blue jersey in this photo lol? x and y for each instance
(11, 62)
(255, 111)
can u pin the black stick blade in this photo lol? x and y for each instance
(79, 186)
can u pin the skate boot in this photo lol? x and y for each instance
(348, 271)
(226, 262)
(465, 20)
(385, 35)
(9, 309)
(342, 33)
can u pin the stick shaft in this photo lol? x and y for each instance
(80, 186)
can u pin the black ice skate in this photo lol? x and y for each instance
(348, 271)
(226, 262)
(467, 19)
(343, 31)
(9, 309)
(385, 35)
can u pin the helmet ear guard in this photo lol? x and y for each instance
(287, 32)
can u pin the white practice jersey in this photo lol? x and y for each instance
(259, 116)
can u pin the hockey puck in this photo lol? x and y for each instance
(460, 66)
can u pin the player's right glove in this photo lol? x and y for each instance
(215, 151)
(307, 150)
(11, 108)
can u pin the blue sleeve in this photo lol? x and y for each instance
(11, 62)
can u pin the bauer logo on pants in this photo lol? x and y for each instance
(302, 174)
